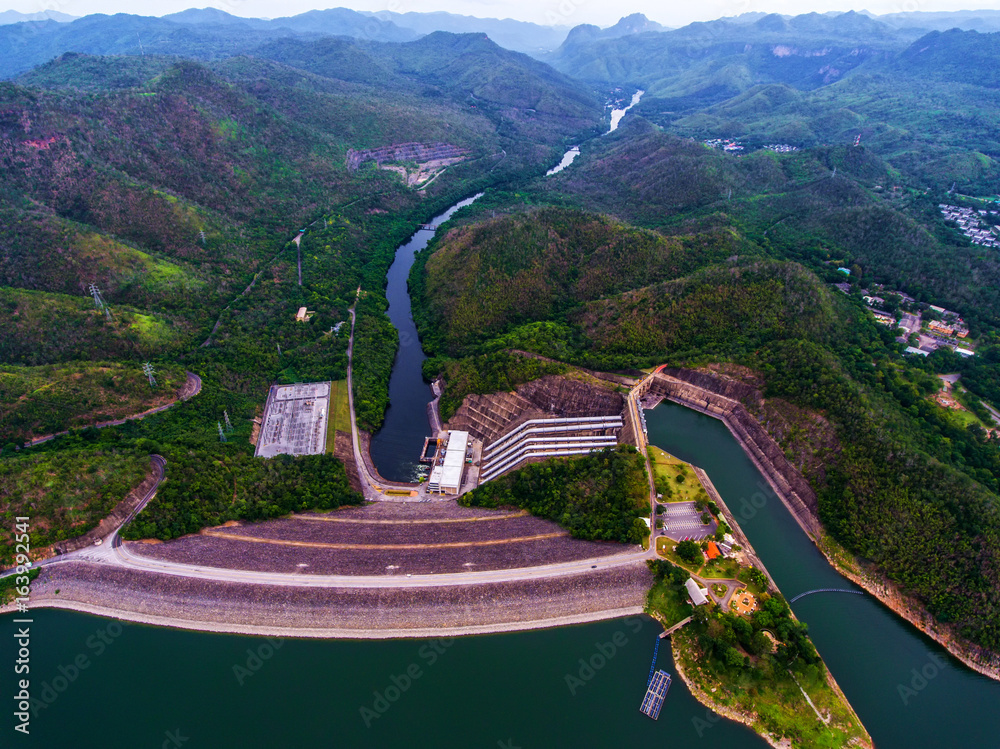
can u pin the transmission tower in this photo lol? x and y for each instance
(229, 424)
(147, 369)
(222, 434)
(99, 300)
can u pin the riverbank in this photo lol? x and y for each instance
(747, 719)
(792, 489)
(762, 680)
(877, 585)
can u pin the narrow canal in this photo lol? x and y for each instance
(889, 671)
(140, 683)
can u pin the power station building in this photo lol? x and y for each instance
(447, 473)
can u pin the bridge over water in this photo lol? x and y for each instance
(827, 590)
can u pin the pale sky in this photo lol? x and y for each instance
(672, 13)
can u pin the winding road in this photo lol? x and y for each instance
(112, 552)
(191, 388)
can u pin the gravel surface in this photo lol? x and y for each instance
(381, 533)
(261, 609)
(264, 557)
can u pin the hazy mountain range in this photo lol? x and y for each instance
(32, 38)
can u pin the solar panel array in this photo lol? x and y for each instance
(656, 692)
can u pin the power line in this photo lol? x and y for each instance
(147, 369)
(99, 300)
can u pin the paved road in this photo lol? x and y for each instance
(114, 553)
(101, 552)
(193, 380)
(119, 555)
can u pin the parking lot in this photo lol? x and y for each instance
(681, 522)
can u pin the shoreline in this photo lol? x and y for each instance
(874, 584)
(721, 710)
(912, 612)
(329, 633)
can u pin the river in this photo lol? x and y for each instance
(102, 684)
(395, 448)
(616, 117)
(617, 114)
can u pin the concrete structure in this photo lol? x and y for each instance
(697, 595)
(446, 476)
(545, 438)
(295, 420)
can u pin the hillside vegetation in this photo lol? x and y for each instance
(885, 460)
(175, 187)
(37, 401)
(599, 497)
(64, 494)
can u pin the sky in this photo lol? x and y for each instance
(672, 13)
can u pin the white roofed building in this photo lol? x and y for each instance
(446, 476)
(697, 595)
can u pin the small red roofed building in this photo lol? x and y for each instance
(713, 551)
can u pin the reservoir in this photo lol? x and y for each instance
(141, 682)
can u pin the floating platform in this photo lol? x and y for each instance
(656, 692)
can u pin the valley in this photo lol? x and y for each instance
(782, 222)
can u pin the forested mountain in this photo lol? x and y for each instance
(173, 176)
(520, 36)
(176, 185)
(720, 282)
(173, 184)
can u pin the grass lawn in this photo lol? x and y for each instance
(720, 569)
(340, 413)
(744, 577)
(675, 479)
(669, 603)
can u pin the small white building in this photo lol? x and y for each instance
(697, 595)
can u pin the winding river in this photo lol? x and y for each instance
(101, 683)
(395, 448)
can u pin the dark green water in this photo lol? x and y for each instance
(470, 692)
(871, 651)
(496, 691)
(395, 448)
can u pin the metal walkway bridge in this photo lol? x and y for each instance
(827, 590)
